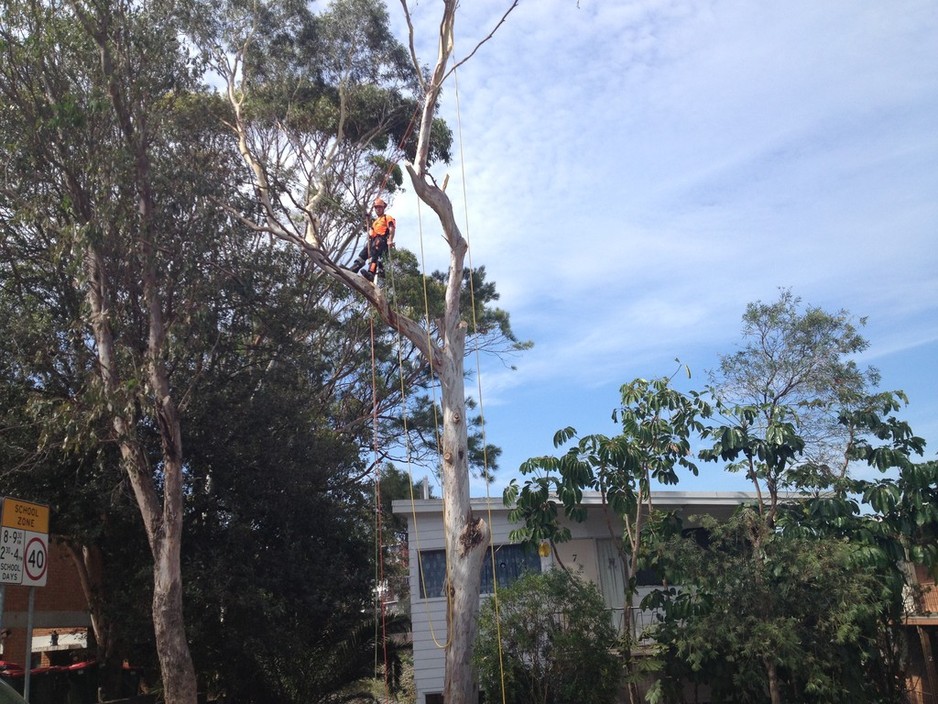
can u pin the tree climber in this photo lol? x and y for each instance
(380, 239)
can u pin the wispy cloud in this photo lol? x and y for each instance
(636, 172)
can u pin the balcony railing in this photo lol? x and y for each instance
(640, 621)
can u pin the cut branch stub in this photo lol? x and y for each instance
(473, 534)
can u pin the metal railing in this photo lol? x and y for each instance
(639, 620)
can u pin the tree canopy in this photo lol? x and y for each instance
(799, 597)
(170, 375)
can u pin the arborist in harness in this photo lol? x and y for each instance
(380, 239)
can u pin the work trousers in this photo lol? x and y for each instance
(374, 249)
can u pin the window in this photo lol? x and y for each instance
(511, 561)
(648, 577)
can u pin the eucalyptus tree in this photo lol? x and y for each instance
(314, 164)
(92, 96)
(799, 359)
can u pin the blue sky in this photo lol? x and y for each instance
(637, 172)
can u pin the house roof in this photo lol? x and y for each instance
(661, 499)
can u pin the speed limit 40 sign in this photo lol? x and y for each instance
(24, 543)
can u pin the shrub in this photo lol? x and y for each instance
(557, 643)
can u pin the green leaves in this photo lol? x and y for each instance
(657, 422)
(564, 435)
(548, 638)
(883, 498)
(815, 607)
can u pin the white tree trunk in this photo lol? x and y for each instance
(467, 536)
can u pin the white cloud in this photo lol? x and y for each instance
(636, 172)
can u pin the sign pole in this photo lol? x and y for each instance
(24, 559)
(28, 665)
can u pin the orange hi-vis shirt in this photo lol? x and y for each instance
(382, 226)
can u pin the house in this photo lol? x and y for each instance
(591, 552)
(921, 628)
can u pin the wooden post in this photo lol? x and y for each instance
(927, 655)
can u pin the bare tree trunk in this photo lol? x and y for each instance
(89, 565)
(467, 537)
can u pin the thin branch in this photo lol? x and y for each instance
(459, 63)
(413, 51)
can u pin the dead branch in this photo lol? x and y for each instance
(490, 35)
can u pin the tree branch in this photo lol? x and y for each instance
(459, 63)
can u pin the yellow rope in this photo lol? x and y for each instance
(380, 613)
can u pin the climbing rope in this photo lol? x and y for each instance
(380, 610)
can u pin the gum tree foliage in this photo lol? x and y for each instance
(549, 639)
(323, 109)
(91, 96)
(784, 403)
(324, 106)
(142, 319)
(798, 358)
(313, 179)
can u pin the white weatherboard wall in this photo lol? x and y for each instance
(425, 532)
(428, 616)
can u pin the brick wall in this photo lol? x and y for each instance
(59, 605)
